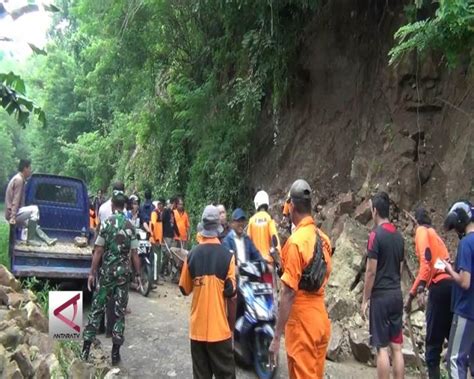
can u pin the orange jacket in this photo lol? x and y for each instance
(156, 227)
(209, 272)
(262, 230)
(308, 330)
(92, 219)
(182, 222)
(429, 248)
(298, 252)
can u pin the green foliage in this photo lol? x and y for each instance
(450, 31)
(14, 101)
(41, 289)
(4, 235)
(162, 94)
(66, 352)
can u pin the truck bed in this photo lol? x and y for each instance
(58, 248)
(63, 260)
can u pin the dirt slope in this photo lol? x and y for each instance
(353, 123)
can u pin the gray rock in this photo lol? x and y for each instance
(48, 367)
(15, 299)
(11, 336)
(22, 358)
(363, 213)
(3, 358)
(337, 344)
(12, 371)
(114, 373)
(345, 203)
(81, 370)
(359, 342)
(342, 308)
(35, 317)
(7, 279)
(41, 340)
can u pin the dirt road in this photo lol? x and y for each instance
(157, 344)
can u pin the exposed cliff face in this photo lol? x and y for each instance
(352, 123)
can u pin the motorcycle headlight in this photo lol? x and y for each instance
(261, 311)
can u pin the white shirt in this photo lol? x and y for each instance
(240, 246)
(105, 210)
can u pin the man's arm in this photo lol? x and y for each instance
(96, 259)
(370, 272)
(230, 294)
(423, 251)
(462, 279)
(17, 194)
(254, 254)
(287, 299)
(186, 281)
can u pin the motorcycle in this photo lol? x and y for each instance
(146, 274)
(256, 317)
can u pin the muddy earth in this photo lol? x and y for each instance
(157, 344)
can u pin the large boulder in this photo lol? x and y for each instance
(350, 247)
(7, 279)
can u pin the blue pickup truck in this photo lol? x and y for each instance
(64, 214)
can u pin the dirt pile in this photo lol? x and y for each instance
(26, 351)
(352, 123)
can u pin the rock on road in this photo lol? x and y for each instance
(157, 343)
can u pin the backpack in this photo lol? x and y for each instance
(314, 274)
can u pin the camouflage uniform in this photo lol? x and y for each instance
(118, 237)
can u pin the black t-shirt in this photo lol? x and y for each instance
(169, 226)
(387, 246)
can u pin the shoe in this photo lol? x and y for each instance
(31, 233)
(41, 234)
(86, 348)
(115, 354)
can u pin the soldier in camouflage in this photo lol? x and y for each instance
(114, 244)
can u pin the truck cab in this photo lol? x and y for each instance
(64, 214)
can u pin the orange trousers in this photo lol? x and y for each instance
(307, 336)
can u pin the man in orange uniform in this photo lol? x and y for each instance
(430, 248)
(302, 313)
(156, 236)
(209, 271)
(182, 222)
(261, 229)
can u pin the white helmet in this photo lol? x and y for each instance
(261, 198)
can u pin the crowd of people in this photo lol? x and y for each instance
(303, 265)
